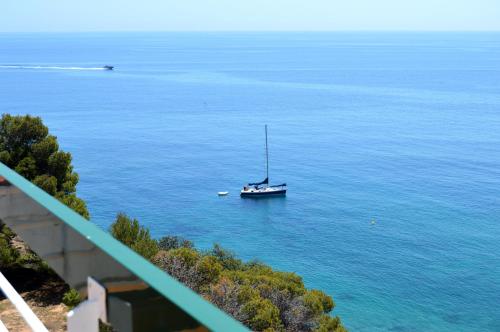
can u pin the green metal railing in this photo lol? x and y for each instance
(140, 297)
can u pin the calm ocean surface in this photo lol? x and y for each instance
(401, 128)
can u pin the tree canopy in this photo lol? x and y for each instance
(27, 147)
(252, 292)
(135, 236)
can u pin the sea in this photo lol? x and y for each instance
(389, 143)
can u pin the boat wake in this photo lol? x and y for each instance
(51, 67)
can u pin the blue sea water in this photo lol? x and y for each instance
(402, 129)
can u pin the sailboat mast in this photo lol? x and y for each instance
(267, 161)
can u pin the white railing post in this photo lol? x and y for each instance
(31, 319)
(85, 317)
(2, 327)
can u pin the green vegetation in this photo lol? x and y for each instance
(71, 298)
(133, 235)
(174, 242)
(9, 256)
(27, 147)
(252, 292)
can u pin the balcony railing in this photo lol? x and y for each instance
(123, 288)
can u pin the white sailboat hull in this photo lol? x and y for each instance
(263, 192)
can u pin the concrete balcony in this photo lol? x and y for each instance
(121, 287)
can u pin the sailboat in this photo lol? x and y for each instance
(263, 189)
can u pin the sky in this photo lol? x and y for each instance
(246, 15)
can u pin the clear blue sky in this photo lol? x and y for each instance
(235, 15)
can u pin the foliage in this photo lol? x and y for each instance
(189, 267)
(71, 298)
(9, 256)
(261, 298)
(262, 315)
(27, 147)
(253, 293)
(46, 182)
(19, 254)
(174, 242)
(75, 203)
(130, 233)
(328, 323)
(105, 327)
(226, 258)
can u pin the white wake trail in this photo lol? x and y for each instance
(50, 67)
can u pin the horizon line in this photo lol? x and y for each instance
(255, 31)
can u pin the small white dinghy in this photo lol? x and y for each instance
(222, 193)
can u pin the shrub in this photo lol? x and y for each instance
(227, 295)
(330, 324)
(313, 302)
(189, 267)
(226, 258)
(173, 242)
(263, 315)
(8, 255)
(71, 298)
(253, 293)
(130, 233)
